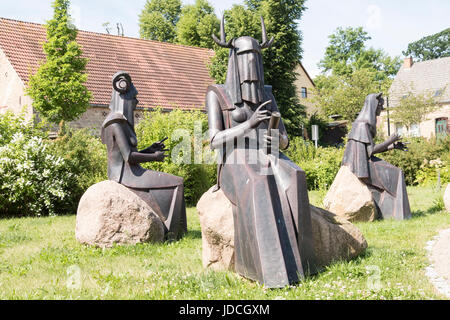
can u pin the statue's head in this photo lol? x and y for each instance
(245, 76)
(373, 105)
(124, 94)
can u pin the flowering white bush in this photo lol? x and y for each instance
(32, 180)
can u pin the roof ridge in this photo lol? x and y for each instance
(116, 36)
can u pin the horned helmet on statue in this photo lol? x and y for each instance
(245, 77)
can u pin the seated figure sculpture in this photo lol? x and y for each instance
(385, 181)
(163, 192)
(272, 220)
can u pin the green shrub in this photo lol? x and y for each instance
(85, 157)
(419, 150)
(32, 180)
(320, 165)
(180, 127)
(10, 124)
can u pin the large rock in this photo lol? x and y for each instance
(447, 198)
(110, 213)
(349, 198)
(335, 238)
(216, 220)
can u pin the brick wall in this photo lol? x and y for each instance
(93, 118)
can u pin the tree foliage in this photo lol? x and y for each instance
(196, 24)
(347, 52)
(281, 60)
(344, 95)
(430, 47)
(351, 71)
(58, 89)
(158, 20)
(414, 107)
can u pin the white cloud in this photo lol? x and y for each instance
(374, 19)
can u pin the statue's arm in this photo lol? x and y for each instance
(384, 146)
(218, 135)
(125, 149)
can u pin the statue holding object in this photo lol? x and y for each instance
(271, 211)
(163, 192)
(385, 181)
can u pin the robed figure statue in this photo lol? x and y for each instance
(271, 211)
(385, 181)
(163, 192)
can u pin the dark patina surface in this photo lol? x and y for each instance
(163, 192)
(385, 181)
(272, 219)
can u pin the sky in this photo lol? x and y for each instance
(392, 24)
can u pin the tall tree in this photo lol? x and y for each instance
(158, 20)
(344, 95)
(281, 60)
(196, 24)
(430, 47)
(58, 88)
(347, 52)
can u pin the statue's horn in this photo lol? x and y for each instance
(265, 44)
(223, 38)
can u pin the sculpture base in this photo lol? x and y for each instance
(110, 213)
(334, 238)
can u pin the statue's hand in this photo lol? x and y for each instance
(259, 115)
(394, 138)
(160, 156)
(157, 146)
(400, 146)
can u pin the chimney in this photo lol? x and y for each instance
(408, 63)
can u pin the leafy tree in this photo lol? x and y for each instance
(430, 47)
(414, 107)
(280, 60)
(196, 24)
(347, 52)
(58, 89)
(345, 94)
(158, 20)
(351, 71)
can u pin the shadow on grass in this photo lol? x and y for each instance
(193, 234)
(435, 208)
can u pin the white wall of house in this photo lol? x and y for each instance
(425, 129)
(12, 90)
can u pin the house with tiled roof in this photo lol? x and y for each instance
(432, 77)
(166, 75)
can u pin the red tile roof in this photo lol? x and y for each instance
(166, 75)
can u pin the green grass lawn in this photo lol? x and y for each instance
(39, 258)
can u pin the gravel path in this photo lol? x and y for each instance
(439, 255)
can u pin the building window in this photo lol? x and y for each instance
(304, 92)
(414, 131)
(400, 129)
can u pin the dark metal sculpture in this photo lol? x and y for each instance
(385, 181)
(272, 219)
(163, 192)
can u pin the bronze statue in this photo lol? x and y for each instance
(385, 181)
(161, 191)
(273, 233)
